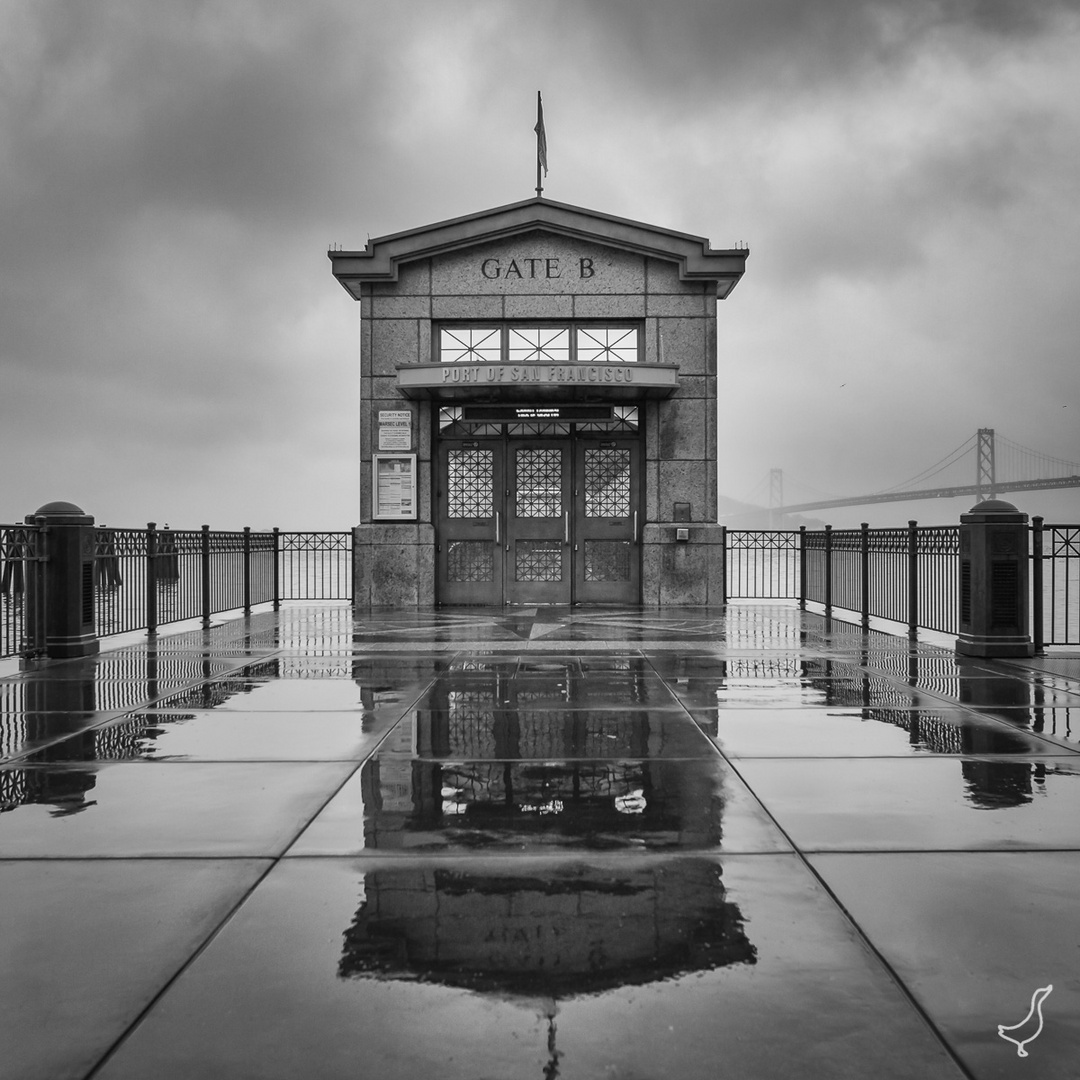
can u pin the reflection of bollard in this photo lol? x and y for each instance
(68, 611)
(994, 581)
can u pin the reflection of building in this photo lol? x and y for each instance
(570, 930)
(653, 805)
(538, 409)
(513, 765)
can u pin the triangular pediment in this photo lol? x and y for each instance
(382, 258)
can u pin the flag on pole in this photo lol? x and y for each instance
(541, 134)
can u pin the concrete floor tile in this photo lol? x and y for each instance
(1060, 724)
(670, 968)
(129, 809)
(871, 732)
(923, 803)
(310, 695)
(86, 946)
(221, 735)
(973, 935)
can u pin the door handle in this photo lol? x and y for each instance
(496, 526)
(635, 526)
(566, 527)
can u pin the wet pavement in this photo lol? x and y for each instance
(539, 843)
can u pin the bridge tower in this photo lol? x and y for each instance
(776, 497)
(985, 480)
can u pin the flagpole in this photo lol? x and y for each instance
(541, 144)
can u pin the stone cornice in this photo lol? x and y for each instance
(382, 256)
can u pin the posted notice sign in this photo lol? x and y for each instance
(395, 486)
(395, 429)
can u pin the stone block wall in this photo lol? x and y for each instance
(542, 276)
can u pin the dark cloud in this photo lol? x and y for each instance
(171, 175)
(782, 46)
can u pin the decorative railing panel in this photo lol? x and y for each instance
(762, 565)
(904, 575)
(20, 589)
(888, 554)
(315, 566)
(937, 553)
(1055, 583)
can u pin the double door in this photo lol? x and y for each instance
(538, 521)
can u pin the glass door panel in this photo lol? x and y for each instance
(469, 559)
(607, 554)
(538, 523)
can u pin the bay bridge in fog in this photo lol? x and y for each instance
(998, 465)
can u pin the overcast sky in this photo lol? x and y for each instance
(174, 348)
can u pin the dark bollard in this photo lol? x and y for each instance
(994, 581)
(68, 612)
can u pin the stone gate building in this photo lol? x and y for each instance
(538, 410)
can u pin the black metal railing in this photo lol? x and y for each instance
(905, 575)
(149, 577)
(761, 565)
(145, 578)
(1055, 584)
(22, 596)
(314, 566)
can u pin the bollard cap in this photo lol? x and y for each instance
(65, 512)
(994, 506)
(994, 510)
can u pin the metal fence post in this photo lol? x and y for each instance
(723, 565)
(247, 569)
(913, 579)
(828, 571)
(802, 567)
(151, 578)
(276, 571)
(864, 572)
(1037, 584)
(204, 559)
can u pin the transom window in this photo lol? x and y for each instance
(515, 343)
(624, 418)
(547, 345)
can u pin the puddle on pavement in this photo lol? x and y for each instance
(924, 803)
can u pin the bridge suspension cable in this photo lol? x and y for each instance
(938, 467)
(1023, 463)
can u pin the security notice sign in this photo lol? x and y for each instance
(395, 487)
(395, 429)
